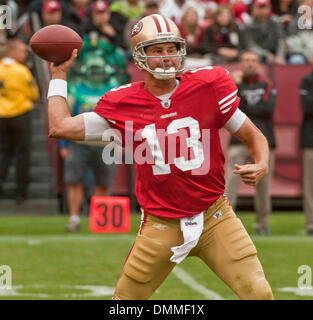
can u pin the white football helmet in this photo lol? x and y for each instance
(155, 29)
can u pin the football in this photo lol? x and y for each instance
(55, 43)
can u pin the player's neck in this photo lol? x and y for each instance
(159, 87)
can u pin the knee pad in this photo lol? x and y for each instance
(147, 265)
(235, 239)
(145, 259)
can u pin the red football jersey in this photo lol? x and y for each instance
(176, 145)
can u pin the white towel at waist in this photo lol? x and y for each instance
(191, 228)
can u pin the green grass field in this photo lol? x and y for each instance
(48, 263)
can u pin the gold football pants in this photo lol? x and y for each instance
(224, 246)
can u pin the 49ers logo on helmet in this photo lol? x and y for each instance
(136, 29)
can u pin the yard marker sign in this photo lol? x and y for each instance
(109, 214)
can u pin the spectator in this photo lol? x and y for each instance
(3, 41)
(285, 7)
(18, 92)
(36, 6)
(223, 39)
(299, 41)
(258, 102)
(51, 13)
(110, 25)
(101, 69)
(240, 10)
(80, 6)
(77, 15)
(192, 31)
(131, 9)
(174, 9)
(306, 94)
(264, 34)
(285, 11)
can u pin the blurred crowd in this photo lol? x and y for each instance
(280, 31)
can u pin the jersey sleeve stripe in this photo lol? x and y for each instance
(226, 110)
(228, 103)
(228, 97)
(201, 68)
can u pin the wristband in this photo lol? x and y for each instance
(57, 87)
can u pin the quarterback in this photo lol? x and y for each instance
(181, 194)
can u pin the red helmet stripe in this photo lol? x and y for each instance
(167, 25)
(157, 24)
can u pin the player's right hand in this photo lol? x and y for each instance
(59, 71)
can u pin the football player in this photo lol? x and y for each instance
(175, 120)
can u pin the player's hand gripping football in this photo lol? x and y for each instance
(59, 71)
(251, 173)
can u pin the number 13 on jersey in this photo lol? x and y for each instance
(109, 214)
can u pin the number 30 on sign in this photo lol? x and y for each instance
(109, 214)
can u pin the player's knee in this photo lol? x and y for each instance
(262, 290)
(255, 290)
(128, 289)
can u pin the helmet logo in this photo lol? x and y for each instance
(137, 28)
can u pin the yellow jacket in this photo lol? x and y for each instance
(18, 90)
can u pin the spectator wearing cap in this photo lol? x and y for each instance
(38, 6)
(51, 12)
(265, 35)
(130, 9)
(109, 25)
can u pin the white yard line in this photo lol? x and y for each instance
(35, 239)
(125, 237)
(189, 281)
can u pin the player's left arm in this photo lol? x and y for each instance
(239, 125)
(257, 144)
